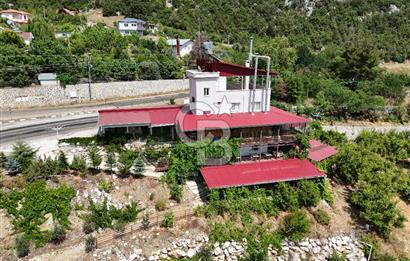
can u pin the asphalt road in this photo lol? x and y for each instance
(41, 129)
(41, 112)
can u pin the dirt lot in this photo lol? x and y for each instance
(95, 16)
(397, 67)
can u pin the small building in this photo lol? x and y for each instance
(129, 26)
(18, 17)
(27, 37)
(48, 79)
(181, 47)
(62, 35)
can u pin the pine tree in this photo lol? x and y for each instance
(111, 160)
(62, 160)
(12, 166)
(23, 154)
(139, 167)
(94, 156)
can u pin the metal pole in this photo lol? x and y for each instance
(255, 76)
(89, 76)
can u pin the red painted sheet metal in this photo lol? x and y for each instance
(191, 122)
(261, 172)
(319, 151)
(228, 69)
(153, 116)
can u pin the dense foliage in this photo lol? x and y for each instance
(35, 201)
(112, 56)
(102, 215)
(368, 165)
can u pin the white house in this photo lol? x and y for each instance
(19, 17)
(130, 26)
(181, 47)
(48, 79)
(27, 37)
(209, 93)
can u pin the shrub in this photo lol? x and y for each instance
(105, 185)
(58, 234)
(295, 226)
(308, 193)
(176, 192)
(404, 190)
(62, 160)
(89, 226)
(168, 220)
(125, 161)
(119, 227)
(3, 160)
(90, 243)
(111, 160)
(285, 196)
(321, 217)
(374, 200)
(94, 156)
(23, 154)
(12, 166)
(160, 204)
(337, 257)
(139, 167)
(22, 246)
(79, 164)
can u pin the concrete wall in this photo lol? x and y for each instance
(56, 95)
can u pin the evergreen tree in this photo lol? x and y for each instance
(3, 160)
(23, 154)
(139, 167)
(111, 160)
(12, 166)
(94, 156)
(62, 160)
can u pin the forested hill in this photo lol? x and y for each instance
(318, 23)
(315, 23)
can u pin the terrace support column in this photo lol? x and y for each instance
(240, 145)
(150, 130)
(260, 144)
(172, 133)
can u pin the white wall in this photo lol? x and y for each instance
(198, 81)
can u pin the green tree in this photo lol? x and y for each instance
(23, 154)
(149, 71)
(295, 226)
(111, 159)
(94, 156)
(126, 161)
(62, 160)
(139, 167)
(10, 37)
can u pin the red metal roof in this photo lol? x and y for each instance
(191, 122)
(168, 115)
(150, 116)
(228, 69)
(260, 172)
(319, 151)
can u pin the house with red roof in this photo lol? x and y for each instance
(16, 16)
(227, 100)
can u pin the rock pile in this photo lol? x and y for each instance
(307, 249)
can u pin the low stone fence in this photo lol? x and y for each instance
(55, 95)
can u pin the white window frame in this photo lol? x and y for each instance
(206, 91)
(257, 106)
(125, 25)
(235, 106)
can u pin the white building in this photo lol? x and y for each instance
(48, 79)
(211, 94)
(19, 17)
(130, 26)
(181, 47)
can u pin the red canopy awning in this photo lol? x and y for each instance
(260, 172)
(319, 151)
(229, 69)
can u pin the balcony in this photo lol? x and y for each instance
(282, 140)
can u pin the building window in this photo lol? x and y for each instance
(257, 106)
(206, 91)
(133, 25)
(235, 106)
(125, 25)
(193, 99)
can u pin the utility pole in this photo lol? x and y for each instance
(89, 75)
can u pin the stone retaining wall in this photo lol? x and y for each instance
(79, 93)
